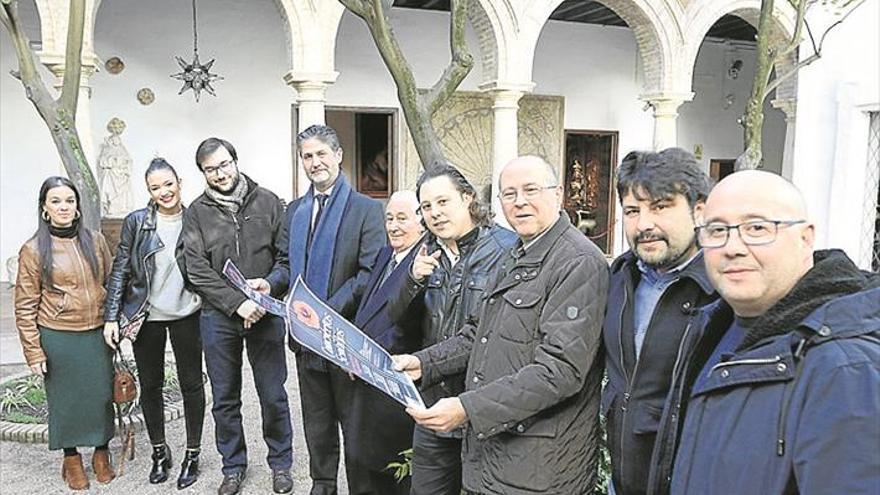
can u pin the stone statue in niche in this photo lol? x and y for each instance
(114, 173)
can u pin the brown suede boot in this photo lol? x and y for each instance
(101, 464)
(73, 473)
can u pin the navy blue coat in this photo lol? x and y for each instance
(381, 428)
(633, 399)
(795, 408)
(360, 237)
(372, 315)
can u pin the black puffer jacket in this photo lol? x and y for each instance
(534, 370)
(452, 295)
(129, 283)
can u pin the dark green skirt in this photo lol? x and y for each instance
(79, 388)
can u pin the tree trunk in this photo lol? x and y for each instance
(418, 105)
(753, 120)
(59, 114)
(67, 141)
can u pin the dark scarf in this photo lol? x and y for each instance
(320, 255)
(232, 200)
(833, 275)
(68, 232)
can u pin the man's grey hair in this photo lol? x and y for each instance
(323, 133)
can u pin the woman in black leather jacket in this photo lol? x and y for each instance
(147, 282)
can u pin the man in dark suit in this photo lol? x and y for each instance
(333, 236)
(381, 429)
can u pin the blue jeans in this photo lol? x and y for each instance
(223, 340)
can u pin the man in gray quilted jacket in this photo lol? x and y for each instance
(533, 378)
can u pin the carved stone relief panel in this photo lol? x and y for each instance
(464, 126)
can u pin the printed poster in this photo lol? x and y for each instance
(315, 325)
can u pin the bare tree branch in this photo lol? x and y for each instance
(35, 89)
(357, 7)
(73, 58)
(460, 64)
(817, 49)
(772, 85)
(418, 107)
(59, 119)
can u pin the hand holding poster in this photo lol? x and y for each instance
(265, 301)
(314, 324)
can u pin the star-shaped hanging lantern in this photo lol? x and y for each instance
(196, 76)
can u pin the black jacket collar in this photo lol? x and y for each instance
(695, 270)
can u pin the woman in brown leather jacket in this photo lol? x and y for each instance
(59, 296)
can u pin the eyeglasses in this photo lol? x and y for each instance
(225, 166)
(529, 193)
(753, 233)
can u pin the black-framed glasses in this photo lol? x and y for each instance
(529, 192)
(751, 233)
(225, 166)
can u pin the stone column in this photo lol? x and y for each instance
(504, 140)
(311, 91)
(505, 104)
(665, 107)
(55, 64)
(789, 108)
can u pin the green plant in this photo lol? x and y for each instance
(23, 400)
(603, 481)
(23, 418)
(11, 400)
(404, 468)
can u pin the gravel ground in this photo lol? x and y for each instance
(32, 468)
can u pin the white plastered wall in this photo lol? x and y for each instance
(835, 95)
(595, 68)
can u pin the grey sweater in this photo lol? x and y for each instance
(169, 299)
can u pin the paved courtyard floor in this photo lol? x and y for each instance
(33, 469)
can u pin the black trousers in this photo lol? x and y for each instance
(224, 340)
(325, 396)
(436, 464)
(383, 483)
(149, 354)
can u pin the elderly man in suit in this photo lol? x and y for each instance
(332, 238)
(381, 429)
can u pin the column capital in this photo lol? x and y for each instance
(496, 85)
(297, 78)
(666, 104)
(788, 107)
(505, 99)
(55, 62)
(310, 86)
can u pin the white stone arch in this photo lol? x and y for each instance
(703, 14)
(311, 27)
(53, 16)
(508, 35)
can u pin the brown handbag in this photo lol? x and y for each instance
(124, 385)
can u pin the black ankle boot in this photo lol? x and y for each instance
(161, 464)
(189, 469)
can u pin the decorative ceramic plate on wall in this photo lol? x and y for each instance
(114, 65)
(146, 96)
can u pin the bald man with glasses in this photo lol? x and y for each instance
(778, 390)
